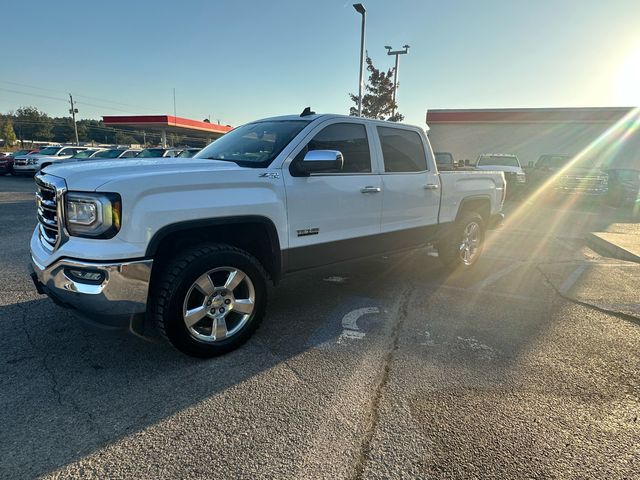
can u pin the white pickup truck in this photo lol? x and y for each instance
(193, 243)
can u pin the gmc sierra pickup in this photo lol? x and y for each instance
(193, 243)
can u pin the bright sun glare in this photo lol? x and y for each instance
(628, 80)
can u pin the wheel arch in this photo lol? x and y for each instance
(255, 234)
(480, 204)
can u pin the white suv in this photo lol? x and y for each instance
(33, 163)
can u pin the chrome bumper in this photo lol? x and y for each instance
(120, 294)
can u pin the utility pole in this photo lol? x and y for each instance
(397, 53)
(73, 110)
(362, 11)
(174, 102)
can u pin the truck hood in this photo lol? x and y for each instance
(499, 168)
(90, 175)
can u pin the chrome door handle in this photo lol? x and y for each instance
(431, 186)
(370, 189)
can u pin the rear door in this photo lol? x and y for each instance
(411, 187)
(334, 216)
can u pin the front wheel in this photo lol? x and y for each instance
(461, 248)
(210, 299)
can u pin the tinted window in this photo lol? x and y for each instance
(402, 150)
(444, 158)
(348, 138)
(151, 152)
(499, 160)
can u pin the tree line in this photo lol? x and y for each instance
(29, 123)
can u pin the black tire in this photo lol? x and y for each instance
(175, 281)
(449, 247)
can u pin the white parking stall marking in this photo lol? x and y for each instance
(572, 279)
(350, 329)
(496, 276)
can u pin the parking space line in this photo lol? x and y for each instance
(496, 276)
(572, 279)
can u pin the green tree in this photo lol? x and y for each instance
(377, 102)
(32, 124)
(7, 133)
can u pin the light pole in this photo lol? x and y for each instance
(362, 11)
(73, 110)
(397, 53)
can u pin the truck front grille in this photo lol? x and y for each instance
(588, 184)
(48, 195)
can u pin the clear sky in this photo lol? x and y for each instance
(240, 60)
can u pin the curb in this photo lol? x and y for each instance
(609, 249)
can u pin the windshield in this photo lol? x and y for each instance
(108, 154)
(151, 152)
(20, 152)
(254, 144)
(444, 158)
(49, 151)
(188, 153)
(83, 154)
(560, 161)
(499, 160)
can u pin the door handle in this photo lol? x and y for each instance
(370, 189)
(430, 186)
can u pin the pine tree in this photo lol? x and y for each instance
(7, 132)
(377, 102)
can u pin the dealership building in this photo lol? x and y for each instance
(531, 132)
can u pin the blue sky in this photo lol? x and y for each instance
(241, 60)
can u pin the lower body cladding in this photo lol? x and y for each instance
(110, 293)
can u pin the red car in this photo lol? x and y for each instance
(6, 161)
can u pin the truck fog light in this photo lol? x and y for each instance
(94, 277)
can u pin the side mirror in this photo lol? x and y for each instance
(530, 164)
(321, 161)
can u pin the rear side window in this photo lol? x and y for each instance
(402, 150)
(348, 138)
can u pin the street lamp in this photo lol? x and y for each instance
(397, 53)
(362, 11)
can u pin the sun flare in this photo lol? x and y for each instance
(628, 79)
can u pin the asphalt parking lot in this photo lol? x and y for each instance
(385, 368)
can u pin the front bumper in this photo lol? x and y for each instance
(121, 294)
(25, 169)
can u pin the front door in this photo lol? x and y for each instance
(334, 216)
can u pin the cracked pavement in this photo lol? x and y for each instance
(498, 373)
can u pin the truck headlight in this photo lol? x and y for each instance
(93, 215)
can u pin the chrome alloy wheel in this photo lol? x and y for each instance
(218, 304)
(470, 243)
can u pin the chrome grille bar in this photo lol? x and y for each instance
(49, 194)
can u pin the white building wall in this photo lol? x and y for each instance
(527, 140)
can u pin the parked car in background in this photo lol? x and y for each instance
(509, 165)
(624, 186)
(188, 152)
(446, 162)
(78, 156)
(566, 176)
(159, 152)
(31, 163)
(6, 162)
(117, 153)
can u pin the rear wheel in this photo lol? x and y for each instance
(210, 299)
(461, 248)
